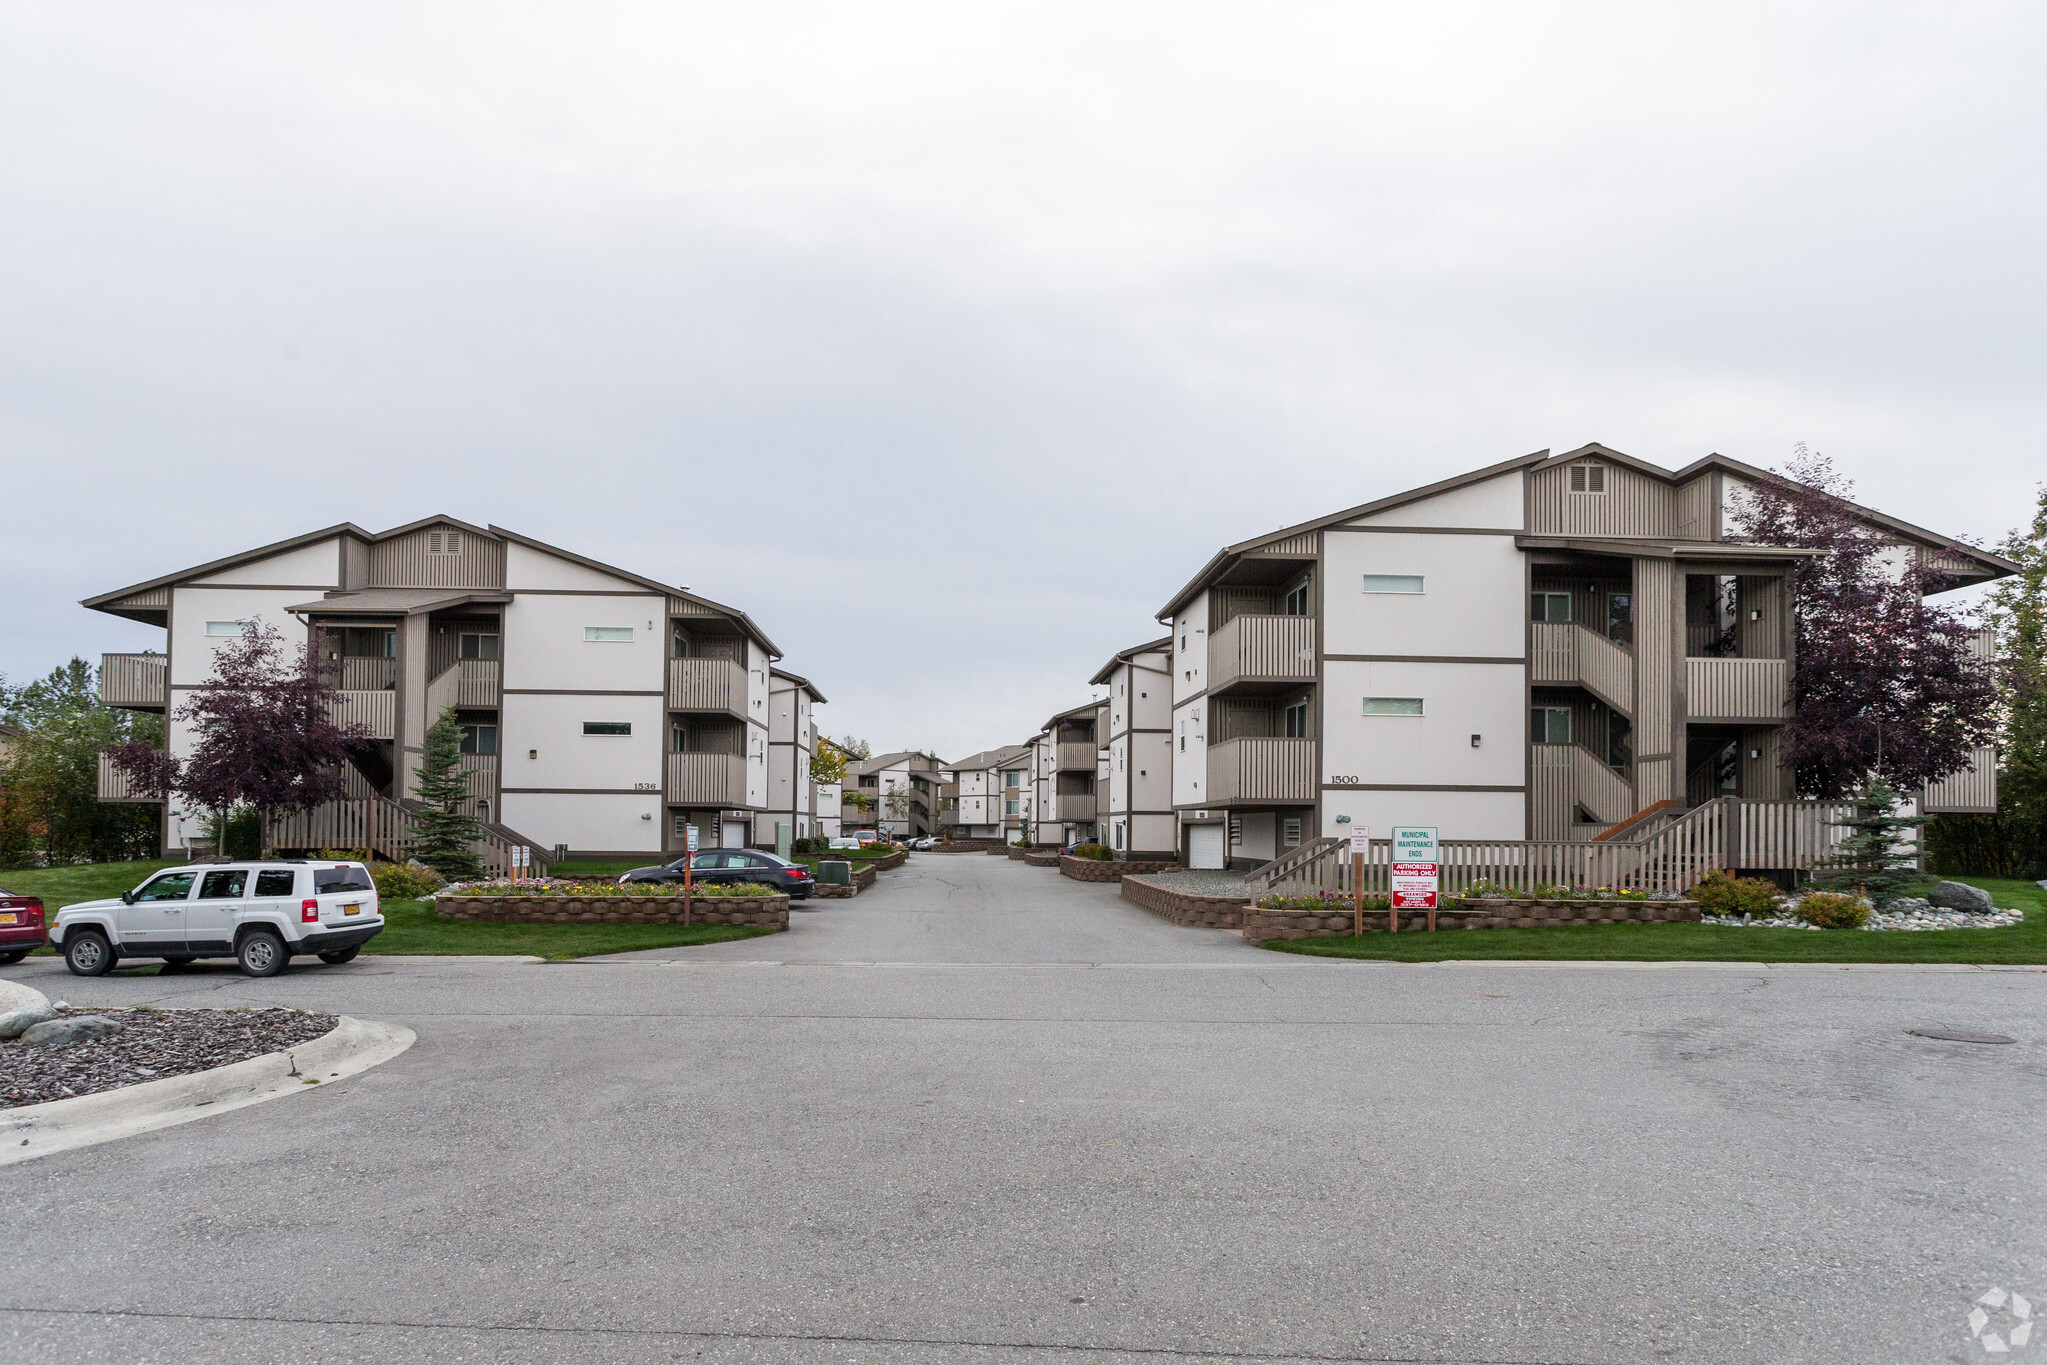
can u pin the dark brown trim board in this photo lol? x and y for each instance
(1414, 787)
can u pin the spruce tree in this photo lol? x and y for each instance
(444, 831)
(1880, 854)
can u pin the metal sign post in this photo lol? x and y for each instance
(1413, 876)
(1360, 841)
(689, 858)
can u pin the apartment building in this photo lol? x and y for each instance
(1135, 788)
(1018, 792)
(792, 745)
(829, 820)
(904, 788)
(972, 797)
(603, 712)
(1540, 649)
(1066, 768)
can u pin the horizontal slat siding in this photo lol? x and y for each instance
(1737, 689)
(134, 680)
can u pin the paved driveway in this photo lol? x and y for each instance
(986, 1114)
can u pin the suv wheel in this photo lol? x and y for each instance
(87, 953)
(261, 953)
(341, 955)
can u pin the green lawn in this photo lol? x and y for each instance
(410, 927)
(2021, 943)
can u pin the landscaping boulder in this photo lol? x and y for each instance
(1960, 896)
(22, 1018)
(81, 1028)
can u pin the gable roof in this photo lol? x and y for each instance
(1124, 656)
(806, 684)
(1088, 709)
(989, 758)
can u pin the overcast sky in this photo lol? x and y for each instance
(949, 341)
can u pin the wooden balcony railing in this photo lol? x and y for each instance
(1076, 756)
(707, 685)
(1262, 649)
(1566, 776)
(1972, 790)
(466, 684)
(1569, 655)
(139, 682)
(365, 675)
(375, 712)
(483, 780)
(1737, 689)
(1073, 806)
(116, 785)
(1261, 770)
(706, 779)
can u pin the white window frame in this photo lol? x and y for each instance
(1420, 704)
(608, 635)
(227, 630)
(1382, 584)
(608, 734)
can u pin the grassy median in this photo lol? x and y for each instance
(2018, 945)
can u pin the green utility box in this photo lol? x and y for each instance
(835, 873)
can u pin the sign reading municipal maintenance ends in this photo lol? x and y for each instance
(1415, 844)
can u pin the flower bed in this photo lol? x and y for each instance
(1091, 870)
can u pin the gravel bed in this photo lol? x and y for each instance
(1200, 881)
(151, 1045)
(1908, 914)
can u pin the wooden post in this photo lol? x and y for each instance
(688, 900)
(1357, 891)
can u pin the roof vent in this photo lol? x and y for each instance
(1588, 478)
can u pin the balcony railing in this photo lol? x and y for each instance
(1571, 655)
(1737, 689)
(1073, 806)
(1277, 649)
(1261, 770)
(707, 685)
(483, 778)
(1973, 789)
(375, 712)
(706, 779)
(1076, 756)
(1566, 776)
(116, 785)
(366, 675)
(139, 682)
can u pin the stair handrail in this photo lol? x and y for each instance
(1290, 862)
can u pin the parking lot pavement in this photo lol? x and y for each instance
(896, 1135)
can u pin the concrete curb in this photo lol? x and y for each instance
(353, 1046)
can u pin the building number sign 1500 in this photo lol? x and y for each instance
(1343, 779)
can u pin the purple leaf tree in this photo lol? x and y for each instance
(1884, 685)
(264, 734)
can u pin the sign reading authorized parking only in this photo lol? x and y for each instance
(1412, 878)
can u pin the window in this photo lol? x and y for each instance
(479, 739)
(1296, 602)
(223, 885)
(275, 883)
(1290, 831)
(230, 627)
(1119, 834)
(479, 646)
(678, 738)
(609, 635)
(607, 727)
(1297, 720)
(172, 886)
(1549, 606)
(1012, 779)
(327, 879)
(1620, 617)
(1393, 582)
(1550, 724)
(1588, 478)
(1009, 807)
(1393, 706)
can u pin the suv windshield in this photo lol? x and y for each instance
(327, 879)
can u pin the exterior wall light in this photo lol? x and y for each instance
(533, 753)
(1474, 741)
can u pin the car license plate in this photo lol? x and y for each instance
(8, 918)
(355, 909)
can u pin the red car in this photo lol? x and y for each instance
(21, 926)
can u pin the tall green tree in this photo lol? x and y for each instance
(445, 832)
(2012, 842)
(49, 772)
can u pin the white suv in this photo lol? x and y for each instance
(259, 913)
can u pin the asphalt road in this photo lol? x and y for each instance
(986, 1114)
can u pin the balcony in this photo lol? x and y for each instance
(466, 684)
(1737, 689)
(483, 778)
(375, 712)
(706, 779)
(115, 785)
(1567, 776)
(1567, 654)
(1074, 807)
(138, 682)
(1244, 772)
(707, 685)
(366, 675)
(1275, 652)
(1076, 756)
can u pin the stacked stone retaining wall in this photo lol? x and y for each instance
(1185, 908)
(1261, 926)
(769, 912)
(1042, 857)
(1090, 870)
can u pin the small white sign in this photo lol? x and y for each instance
(1360, 840)
(519, 855)
(1415, 844)
(690, 836)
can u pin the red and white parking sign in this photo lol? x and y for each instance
(1414, 886)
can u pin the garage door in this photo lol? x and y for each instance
(1205, 846)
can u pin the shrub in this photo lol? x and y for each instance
(1723, 893)
(810, 846)
(394, 881)
(1833, 910)
(1020, 843)
(1100, 853)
